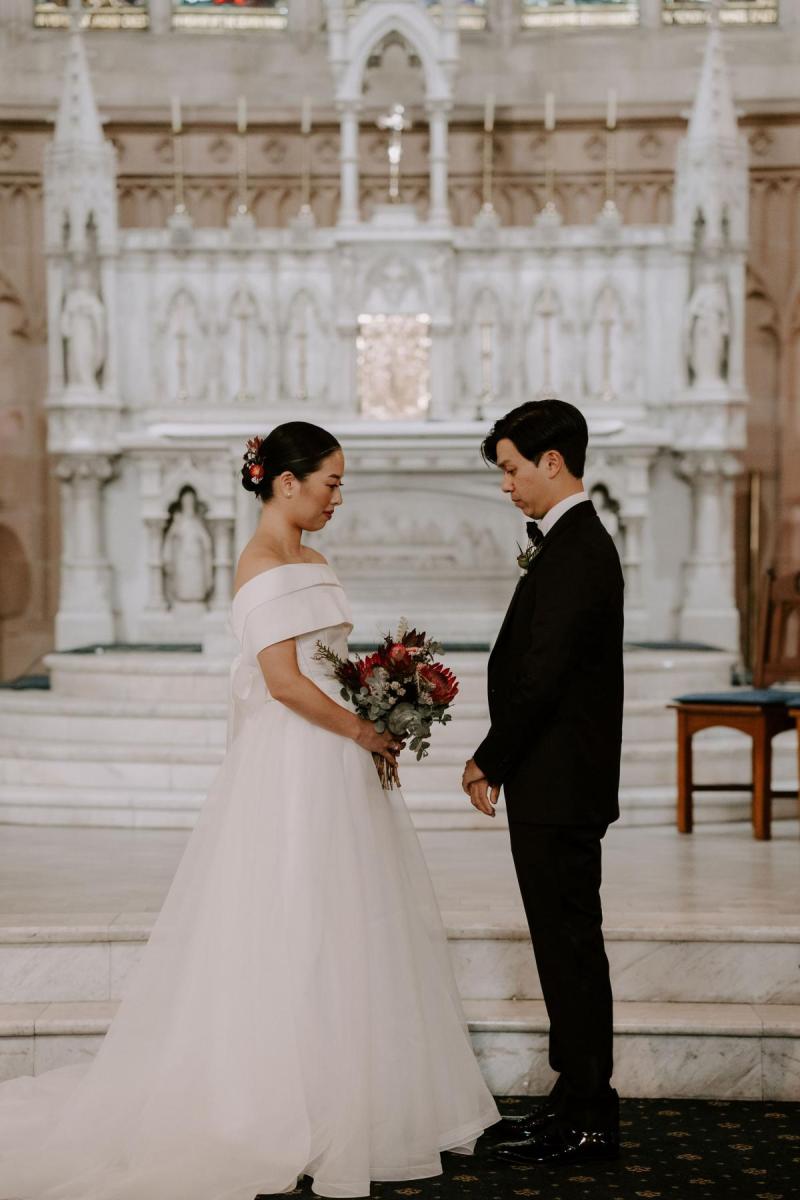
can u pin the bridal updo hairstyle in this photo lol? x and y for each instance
(296, 446)
(542, 425)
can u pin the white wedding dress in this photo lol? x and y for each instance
(294, 1010)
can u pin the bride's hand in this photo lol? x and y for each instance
(386, 744)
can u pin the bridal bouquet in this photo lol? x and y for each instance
(400, 687)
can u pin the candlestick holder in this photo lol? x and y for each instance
(241, 173)
(179, 197)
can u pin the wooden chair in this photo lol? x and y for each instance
(794, 713)
(761, 711)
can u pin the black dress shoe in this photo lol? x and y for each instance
(539, 1119)
(555, 1146)
(519, 1128)
(507, 1127)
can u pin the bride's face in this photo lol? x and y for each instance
(319, 494)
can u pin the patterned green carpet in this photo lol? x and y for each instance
(672, 1150)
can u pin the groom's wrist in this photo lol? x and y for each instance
(487, 769)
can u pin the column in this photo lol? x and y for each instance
(709, 612)
(348, 203)
(438, 210)
(17, 12)
(222, 537)
(650, 14)
(85, 613)
(160, 16)
(156, 600)
(635, 623)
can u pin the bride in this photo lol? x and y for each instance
(294, 1011)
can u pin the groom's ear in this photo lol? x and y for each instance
(553, 463)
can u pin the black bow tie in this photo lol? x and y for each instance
(535, 535)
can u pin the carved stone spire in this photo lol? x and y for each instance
(713, 116)
(80, 165)
(77, 122)
(711, 182)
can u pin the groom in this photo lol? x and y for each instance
(555, 703)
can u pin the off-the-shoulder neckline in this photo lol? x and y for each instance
(282, 567)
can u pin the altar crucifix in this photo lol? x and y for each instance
(397, 123)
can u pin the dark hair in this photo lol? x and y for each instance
(542, 425)
(296, 446)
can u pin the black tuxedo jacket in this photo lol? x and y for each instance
(556, 681)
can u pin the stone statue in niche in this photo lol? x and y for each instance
(83, 328)
(187, 554)
(709, 329)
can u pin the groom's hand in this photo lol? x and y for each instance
(484, 796)
(472, 773)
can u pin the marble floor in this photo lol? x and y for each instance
(718, 879)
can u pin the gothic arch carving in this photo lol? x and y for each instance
(411, 23)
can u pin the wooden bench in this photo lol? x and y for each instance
(762, 712)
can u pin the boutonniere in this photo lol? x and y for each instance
(525, 557)
(535, 543)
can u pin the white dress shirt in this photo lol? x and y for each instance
(549, 519)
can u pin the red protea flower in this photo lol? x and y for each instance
(367, 666)
(256, 472)
(349, 675)
(438, 681)
(400, 659)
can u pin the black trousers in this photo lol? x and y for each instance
(559, 872)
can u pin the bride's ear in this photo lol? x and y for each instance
(286, 481)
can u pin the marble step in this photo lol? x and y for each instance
(128, 808)
(174, 809)
(87, 957)
(689, 1051)
(718, 1051)
(60, 718)
(639, 807)
(77, 764)
(157, 677)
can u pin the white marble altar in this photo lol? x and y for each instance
(190, 340)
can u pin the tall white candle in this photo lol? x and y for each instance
(176, 114)
(305, 118)
(611, 114)
(241, 115)
(488, 113)
(550, 112)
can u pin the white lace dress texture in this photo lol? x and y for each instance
(294, 1010)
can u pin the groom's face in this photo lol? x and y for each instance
(528, 485)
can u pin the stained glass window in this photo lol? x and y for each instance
(733, 12)
(471, 13)
(393, 357)
(97, 14)
(577, 14)
(214, 16)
